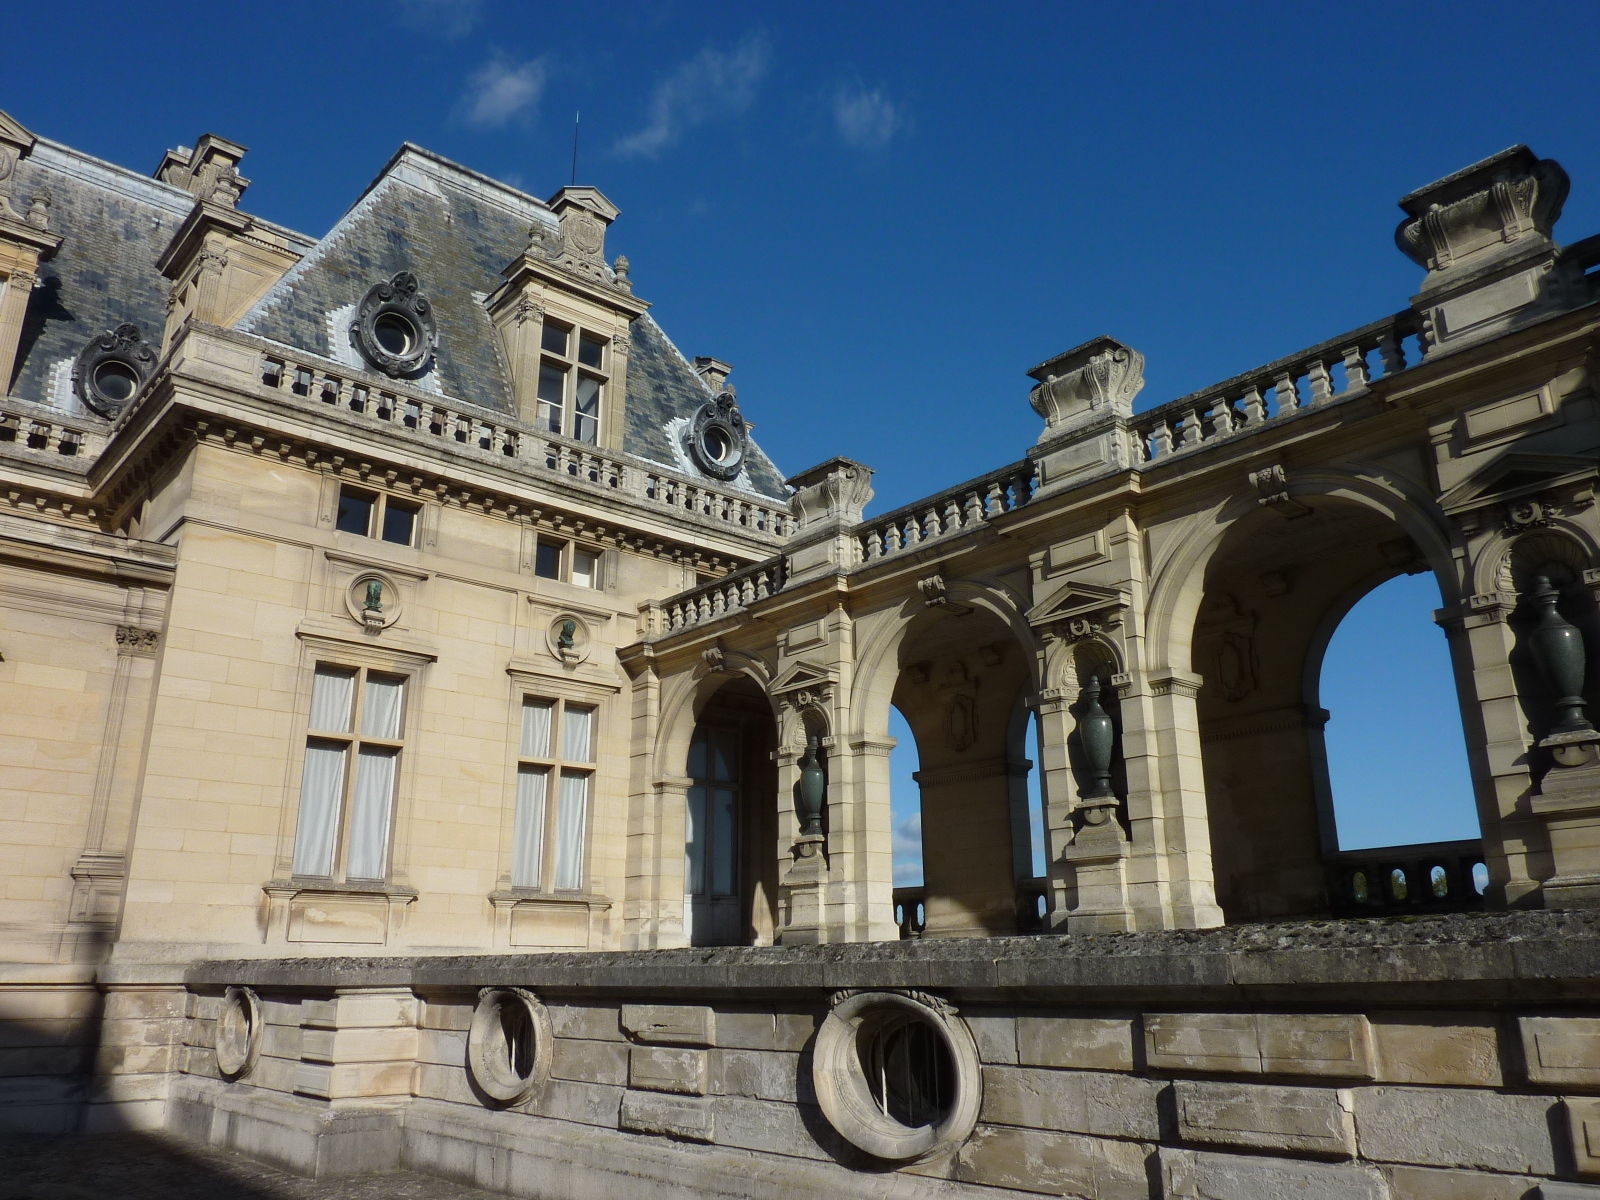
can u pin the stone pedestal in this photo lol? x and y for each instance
(1099, 857)
(1569, 804)
(802, 894)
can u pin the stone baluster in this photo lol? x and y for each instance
(1288, 395)
(1024, 485)
(1321, 382)
(931, 524)
(1189, 430)
(1255, 408)
(1355, 369)
(993, 501)
(1161, 440)
(952, 513)
(1392, 352)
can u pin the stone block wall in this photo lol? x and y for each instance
(1466, 1068)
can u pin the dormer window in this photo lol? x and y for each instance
(571, 386)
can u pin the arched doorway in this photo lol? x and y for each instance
(731, 824)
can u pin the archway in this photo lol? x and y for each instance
(731, 824)
(1275, 591)
(960, 689)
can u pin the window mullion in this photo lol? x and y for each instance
(552, 807)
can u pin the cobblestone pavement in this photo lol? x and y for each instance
(153, 1166)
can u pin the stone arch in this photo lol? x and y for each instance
(684, 694)
(1178, 586)
(877, 656)
(1250, 605)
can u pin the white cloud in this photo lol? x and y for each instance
(501, 90)
(908, 851)
(710, 86)
(866, 119)
(453, 18)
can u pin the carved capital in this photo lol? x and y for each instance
(1473, 215)
(133, 640)
(835, 491)
(1272, 488)
(1098, 375)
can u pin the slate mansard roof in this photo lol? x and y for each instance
(115, 224)
(452, 227)
(455, 230)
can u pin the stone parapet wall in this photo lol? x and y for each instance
(1450, 1057)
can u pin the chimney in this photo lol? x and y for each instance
(714, 371)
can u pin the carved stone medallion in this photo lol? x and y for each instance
(112, 368)
(394, 328)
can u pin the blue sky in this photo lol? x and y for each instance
(883, 213)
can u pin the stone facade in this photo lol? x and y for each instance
(416, 679)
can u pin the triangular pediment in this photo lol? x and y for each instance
(1076, 600)
(801, 675)
(1514, 475)
(14, 134)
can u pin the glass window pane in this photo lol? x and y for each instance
(589, 350)
(570, 819)
(547, 560)
(399, 522)
(586, 418)
(694, 864)
(577, 734)
(321, 787)
(552, 395)
(583, 567)
(536, 728)
(725, 756)
(697, 755)
(555, 338)
(724, 843)
(380, 706)
(332, 690)
(355, 512)
(527, 837)
(369, 812)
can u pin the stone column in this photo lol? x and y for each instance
(1515, 848)
(652, 907)
(1171, 875)
(860, 893)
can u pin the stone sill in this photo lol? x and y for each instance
(1454, 959)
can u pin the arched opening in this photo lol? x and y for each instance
(1397, 763)
(731, 824)
(1278, 592)
(959, 708)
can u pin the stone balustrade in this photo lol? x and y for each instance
(1330, 371)
(434, 419)
(35, 427)
(954, 510)
(730, 594)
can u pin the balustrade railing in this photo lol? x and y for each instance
(952, 511)
(1394, 880)
(29, 426)
(732, 593)
(434, 418)
(910, 913)
(1331, 371)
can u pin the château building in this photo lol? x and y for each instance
(433, 732)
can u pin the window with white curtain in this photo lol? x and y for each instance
(353, 745)
(555, 770)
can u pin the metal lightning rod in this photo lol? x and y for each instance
(575, 118)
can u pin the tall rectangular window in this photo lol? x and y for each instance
(550, 826)
(347, 789)
(572, 379)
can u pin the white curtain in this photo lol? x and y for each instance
(536, 728)
(576, 734)
(380, 707)
(527, 836)
(569, 829)
(694, 843)
(369, 812)
(321, 786)
(331, 693)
